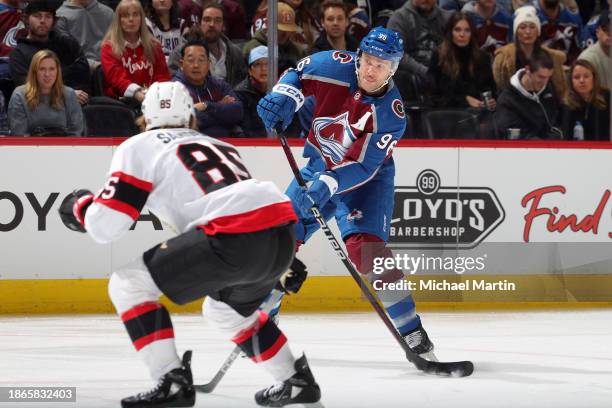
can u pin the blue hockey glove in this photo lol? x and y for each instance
(318, 194)
(279, 106)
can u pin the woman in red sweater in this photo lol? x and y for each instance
(132, 59)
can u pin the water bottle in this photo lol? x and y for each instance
(578, 131)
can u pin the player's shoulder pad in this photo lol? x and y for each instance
(176, 136)
(138, 150)
(333, 64)
(390, 112)
(142, 142)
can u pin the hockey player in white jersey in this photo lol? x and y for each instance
(235, 241)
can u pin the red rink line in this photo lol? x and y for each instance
(496, 144)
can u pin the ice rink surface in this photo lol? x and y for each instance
(532, 359)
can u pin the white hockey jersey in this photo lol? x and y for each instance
(189, 181)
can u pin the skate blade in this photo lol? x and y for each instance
(430, 356)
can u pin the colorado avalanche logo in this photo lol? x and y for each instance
(342, 56)
(334, 136)
(398, 108)
(10, 38)
(354, 215)
(557, 39)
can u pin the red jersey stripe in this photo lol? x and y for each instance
(256, 220)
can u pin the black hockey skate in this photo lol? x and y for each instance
(174, 389)
(419, 342)
(299, 389)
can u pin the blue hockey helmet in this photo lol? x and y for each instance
(383, 43)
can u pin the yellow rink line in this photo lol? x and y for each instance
(332, 294)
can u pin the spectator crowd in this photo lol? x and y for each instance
(517, 69)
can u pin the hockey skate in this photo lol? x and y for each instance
(301, 389)
(174, 389)
(419, 342)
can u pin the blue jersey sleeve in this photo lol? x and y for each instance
(589, 32)
(324, 66)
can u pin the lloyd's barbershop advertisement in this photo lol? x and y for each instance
(512, 224)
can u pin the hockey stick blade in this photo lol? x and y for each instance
(209, 387)
(452, 369)
(448, 369)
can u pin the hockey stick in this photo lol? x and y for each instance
(209, 387)
(454, 369)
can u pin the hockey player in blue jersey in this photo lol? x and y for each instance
(358, 119)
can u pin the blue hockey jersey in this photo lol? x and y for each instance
(491, 33)
(589, 32)
(351, 134)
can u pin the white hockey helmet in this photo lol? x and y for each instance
(167, 104)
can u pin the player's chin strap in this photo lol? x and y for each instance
(454, 369)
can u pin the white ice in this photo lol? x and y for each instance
(535, 359)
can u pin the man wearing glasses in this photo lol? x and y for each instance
(226, 60)
(218, 110)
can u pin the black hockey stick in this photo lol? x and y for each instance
(209, 387)
(454, 369)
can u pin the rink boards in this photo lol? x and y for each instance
(498, 199)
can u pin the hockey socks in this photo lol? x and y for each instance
(364, 249)
(402, 312)
(398, 303)
(267, 346)
(150, 329)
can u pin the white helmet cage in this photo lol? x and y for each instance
(167, 104)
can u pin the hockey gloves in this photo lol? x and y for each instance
(292, 280)
(323, 186)
(72, 209)
(279, 106)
